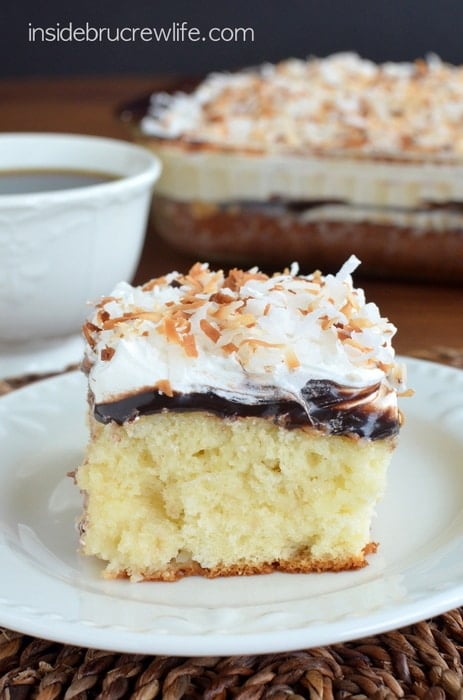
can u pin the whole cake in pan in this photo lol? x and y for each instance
(240, 424)
(313, 159)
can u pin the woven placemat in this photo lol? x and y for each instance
(422, 661)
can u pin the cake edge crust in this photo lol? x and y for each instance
(301, 565)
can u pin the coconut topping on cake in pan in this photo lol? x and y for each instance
(334, 104)
(245, 336)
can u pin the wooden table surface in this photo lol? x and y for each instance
(427, 315)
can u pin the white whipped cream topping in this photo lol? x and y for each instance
(338, 103)
(246, 337)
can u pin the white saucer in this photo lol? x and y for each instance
(52, 355)
(48, 590)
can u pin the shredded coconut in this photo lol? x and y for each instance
(338, 103)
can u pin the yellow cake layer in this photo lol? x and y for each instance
(173, 494)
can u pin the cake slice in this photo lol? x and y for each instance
(240, 424)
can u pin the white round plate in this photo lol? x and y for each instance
(40, 357)
(48, 590)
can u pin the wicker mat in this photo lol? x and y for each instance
(422, 661)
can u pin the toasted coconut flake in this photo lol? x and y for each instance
(164, 387)
(347, 309)
(189, 345)
(167, 327)
(406, 394)
(193, 279)
(221, 312)
(291, 359)
(211, 284)
(238, 321)
(209, 330)
(113, 322)
(237, 278)
(153, 316)
(179, 315)
(88, 329)
(107, 353)
(189, 304)
(342, 332)
(155, 282)
(229, 348)
(359, 324)
(197, 270)
(103, 316)
(221, 298)
(256, 342)
(326, 322)
(307, 310)
(357, 345)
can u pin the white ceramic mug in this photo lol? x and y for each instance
(60, 249)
